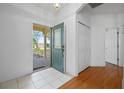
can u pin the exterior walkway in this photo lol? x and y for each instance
(40, 62)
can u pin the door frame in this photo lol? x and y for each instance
(89, 30)
(41, 28)
(64, 42)
(76, 45)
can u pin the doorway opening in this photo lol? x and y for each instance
(113, 49)
(41, 47)
(48, 47)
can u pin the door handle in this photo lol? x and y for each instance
(63, 50)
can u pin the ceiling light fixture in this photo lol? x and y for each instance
(57, 5)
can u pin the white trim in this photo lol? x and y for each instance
(76, 47)
(76, 41)
(64, 33)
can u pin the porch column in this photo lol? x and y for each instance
(45, 45)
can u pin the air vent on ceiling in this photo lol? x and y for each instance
(94, 5)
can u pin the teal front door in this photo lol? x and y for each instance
(58, 47)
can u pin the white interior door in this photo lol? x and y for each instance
(111, 46)
(83, 47)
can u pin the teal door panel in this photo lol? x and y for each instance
(58, 47)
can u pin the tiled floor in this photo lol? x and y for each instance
(45, 79)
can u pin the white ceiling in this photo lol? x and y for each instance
(109, 8)
(49, 6)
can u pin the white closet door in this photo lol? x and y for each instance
(111, 46)
(83, 47)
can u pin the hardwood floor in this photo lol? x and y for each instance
(109, 77)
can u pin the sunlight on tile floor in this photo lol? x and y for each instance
(45, 79)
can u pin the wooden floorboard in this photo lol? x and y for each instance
(109, 77)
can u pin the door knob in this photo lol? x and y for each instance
(63, 50)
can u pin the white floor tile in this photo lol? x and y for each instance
(24, 84)
(11, 84)
(57, 83)
(46, 73)
(35, 74)
(48, 86)
(40, 83)
(45, 79)
(65, 78)
(28, 86)
(51, 78)
(58, 75)
(24, 81)
(36, 78)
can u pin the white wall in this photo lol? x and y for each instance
(67, 11)
(99, 22)
(70, 31)
(16, 38)
(98, 25)
(16, 42)
(84, 15)
(105, 16)
(39, 15)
